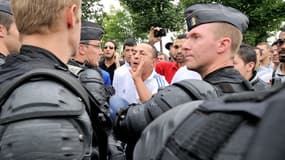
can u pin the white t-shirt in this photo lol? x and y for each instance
(184, 73)
(265, 73)
(125, 88)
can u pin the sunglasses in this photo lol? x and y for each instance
(280, 42)
(110, 47)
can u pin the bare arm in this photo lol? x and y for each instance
(151, 39)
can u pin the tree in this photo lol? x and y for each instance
(162, 13)
(118, 26)
(264, 16)
(92, 10)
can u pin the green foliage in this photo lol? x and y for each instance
(92, 10)
(264, 16)
(162, 13)
(138, 16)
(118, 26)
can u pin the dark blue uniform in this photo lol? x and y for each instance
(51, 119)
(30, 57)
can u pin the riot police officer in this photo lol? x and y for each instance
(85, 63)
(239, 126)
(45, 111)
(9, 41)
(97, 81)
(214, 36)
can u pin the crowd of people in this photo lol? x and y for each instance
(66, 96)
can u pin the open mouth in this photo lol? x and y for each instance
(135, 64)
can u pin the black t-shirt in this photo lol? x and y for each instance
(111, 69)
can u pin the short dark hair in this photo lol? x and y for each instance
(129, 42)
(247, 53)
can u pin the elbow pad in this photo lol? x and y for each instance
(133, 120)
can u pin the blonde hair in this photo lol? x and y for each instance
(228, 30)
(39, 16)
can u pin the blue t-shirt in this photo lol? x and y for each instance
(106, 77)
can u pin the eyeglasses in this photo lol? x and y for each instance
(93, 45)
(280, 42)
(110, 47)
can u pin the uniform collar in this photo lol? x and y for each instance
(40, 53)
(2, 56)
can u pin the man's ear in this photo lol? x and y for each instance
(154, 61)
(72, 15)
(250, 66)
(224, 44)
(82, 49)
(3, 31)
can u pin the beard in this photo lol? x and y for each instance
(282, 55)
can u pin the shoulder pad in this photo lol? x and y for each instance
(40, 99)
(90, 75)
(93, 82)
(198, 88)
(74, 69)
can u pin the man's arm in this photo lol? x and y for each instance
(151, 39)
(143, 92)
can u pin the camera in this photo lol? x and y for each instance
(159, 33)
